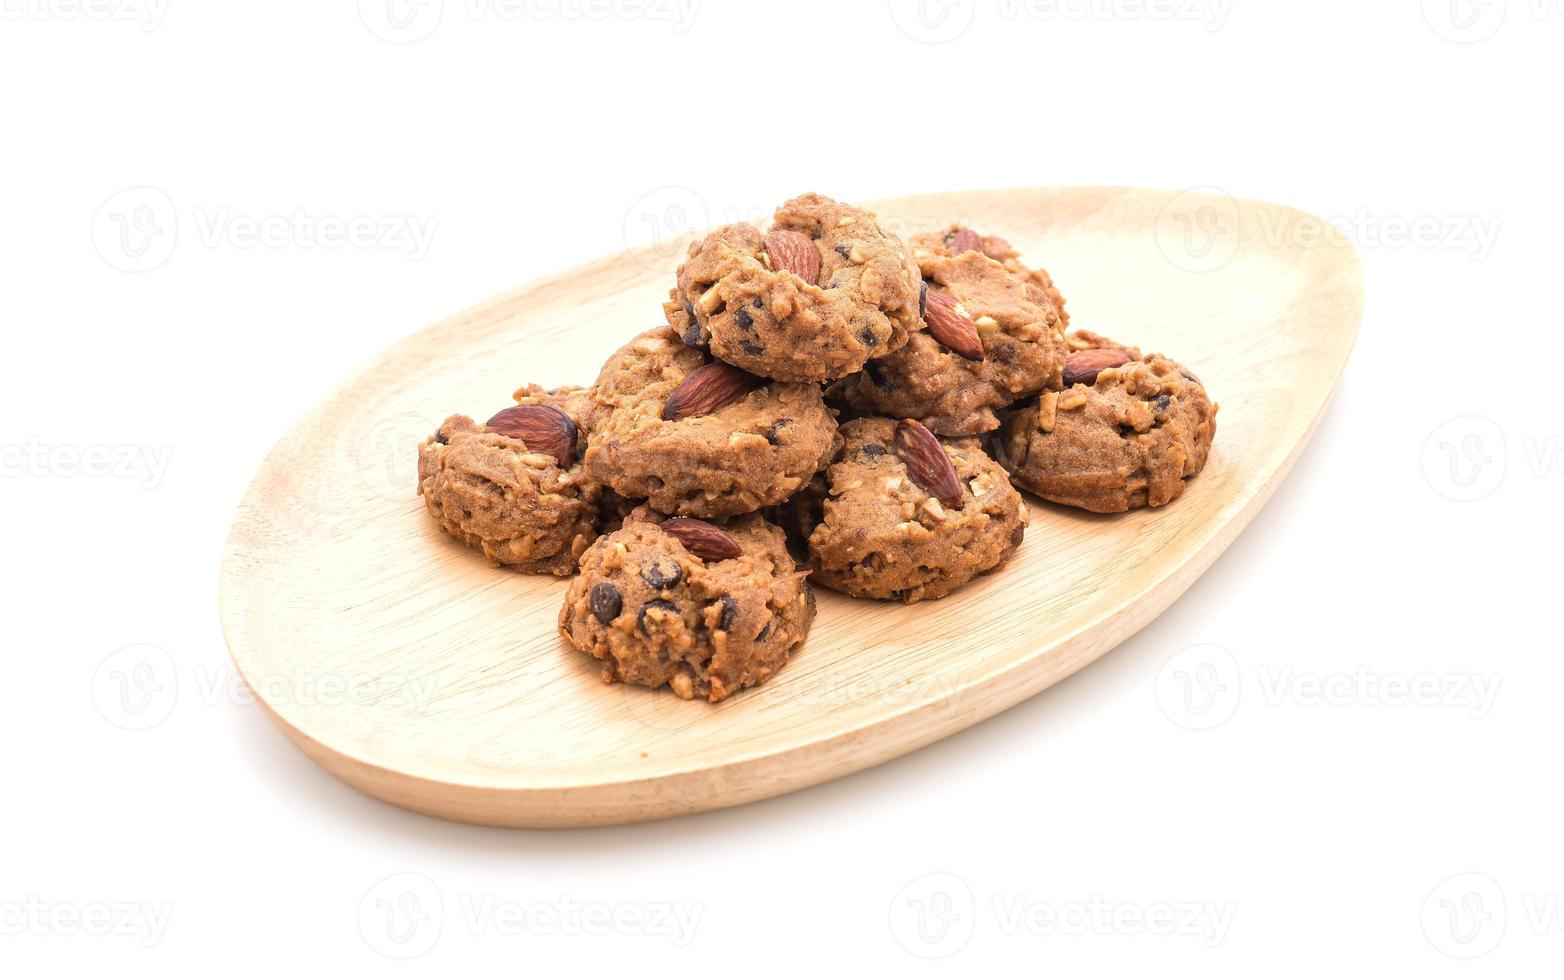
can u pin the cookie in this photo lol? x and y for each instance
(993, 335)
(812, 300)
(1128, 432)
(706, 610)
(700, 438)
(514, 488)
(903, 515)
(956, 240)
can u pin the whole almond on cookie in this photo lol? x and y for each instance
(544, 428)
(705, 541)
(950, 325)
(793, 252)
(964, 240)
(708, 388)
(927, 463)
(1082, 367)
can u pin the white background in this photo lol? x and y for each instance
(1262, 828)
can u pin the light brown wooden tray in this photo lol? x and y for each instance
(409, 668)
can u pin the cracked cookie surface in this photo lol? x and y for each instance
(872, 531)
(735, 299)
(1017, 315)
(519, 506)
(1131, 437)
(655, 612)
(748, 453)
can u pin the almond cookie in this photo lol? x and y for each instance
(904, 515)
(701, 438)
(994, 334)
(705, 609)
(1128, 432)
(825, 290)
(956, 240)
(514, 487)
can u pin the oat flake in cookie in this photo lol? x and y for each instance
(1128, 432)
(660, 603)
(825, 290)
(515, 488)
(1011, 315)
(699, 438)
(907, 518)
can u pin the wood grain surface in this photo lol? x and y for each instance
(408, 667)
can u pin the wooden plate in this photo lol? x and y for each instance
(410, 669)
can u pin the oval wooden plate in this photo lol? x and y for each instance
(409, 668)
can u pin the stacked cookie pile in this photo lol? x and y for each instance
(826, 404)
